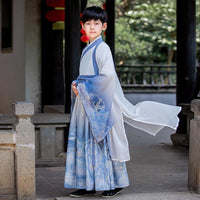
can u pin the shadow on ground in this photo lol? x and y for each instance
(156, 166)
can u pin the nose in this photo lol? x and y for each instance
(92, 26)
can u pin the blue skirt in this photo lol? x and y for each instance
(88, 164)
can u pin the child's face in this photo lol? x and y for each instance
(93, 28)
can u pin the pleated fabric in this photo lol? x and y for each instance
(88, 163)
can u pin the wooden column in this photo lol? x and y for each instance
(72, 47)
(186, 55)
(72, 51)
(110, 32)
(52, 61)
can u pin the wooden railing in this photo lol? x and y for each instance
(147, 77)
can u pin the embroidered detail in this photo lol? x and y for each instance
(97, 103)
(88, 164)
(97, 122)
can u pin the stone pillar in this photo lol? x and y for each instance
(194, 155)
(25, 151)
(33, 53)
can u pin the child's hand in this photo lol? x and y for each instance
(74, 88)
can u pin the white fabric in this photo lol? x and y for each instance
(148, 116)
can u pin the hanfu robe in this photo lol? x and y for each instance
(97, 143)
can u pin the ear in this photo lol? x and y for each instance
(104, 27)
(83, 27)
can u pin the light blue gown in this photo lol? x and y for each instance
(88, 163)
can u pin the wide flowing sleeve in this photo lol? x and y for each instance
(148, 116)
(96, 93)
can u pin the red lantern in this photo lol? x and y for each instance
(104, 6)
(55, 3)
(85, 38)
(55, 15)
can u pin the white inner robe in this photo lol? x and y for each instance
(148, 116)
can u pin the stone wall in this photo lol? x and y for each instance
(12, 71)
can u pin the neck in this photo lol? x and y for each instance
(93, 39)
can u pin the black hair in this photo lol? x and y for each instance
(94, 13)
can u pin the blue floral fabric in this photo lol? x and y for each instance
(88, 163)
(97, 92)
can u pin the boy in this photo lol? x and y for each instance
(89, 166)
(97, 143)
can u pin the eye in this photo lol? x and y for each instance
(96, 23)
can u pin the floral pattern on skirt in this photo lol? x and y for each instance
(88, 163)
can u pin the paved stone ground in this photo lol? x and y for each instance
(157, 171)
